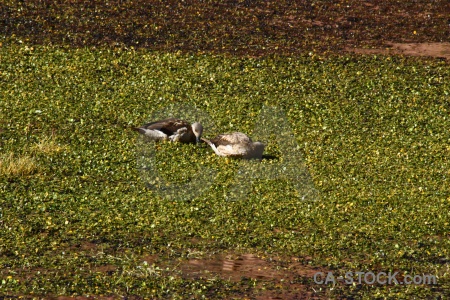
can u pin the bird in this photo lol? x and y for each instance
(172, 129)
(236, 144)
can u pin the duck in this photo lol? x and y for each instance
(172, 129)
(236, 144)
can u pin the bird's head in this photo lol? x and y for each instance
(197, 129)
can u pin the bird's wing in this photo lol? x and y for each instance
(237, 150)
(168, 126)
(231, 139)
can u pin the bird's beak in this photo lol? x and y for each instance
(197, 140)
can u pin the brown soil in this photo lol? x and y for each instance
(237, 27)
(289, 279)
(437, 50)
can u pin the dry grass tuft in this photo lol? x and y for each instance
(48, 146)
(11, 165)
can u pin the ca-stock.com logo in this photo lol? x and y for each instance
(271, 126)
(368, 277)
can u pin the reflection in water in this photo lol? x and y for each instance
(289, 278)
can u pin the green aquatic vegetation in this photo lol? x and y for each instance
(369, 134)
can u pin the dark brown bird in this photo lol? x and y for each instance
(172, 129)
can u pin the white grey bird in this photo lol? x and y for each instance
(172, 129)
(236, 144)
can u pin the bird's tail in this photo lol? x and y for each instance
(140, 130)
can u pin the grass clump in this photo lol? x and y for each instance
(15, 164)
(12, 165)
(48, 146)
